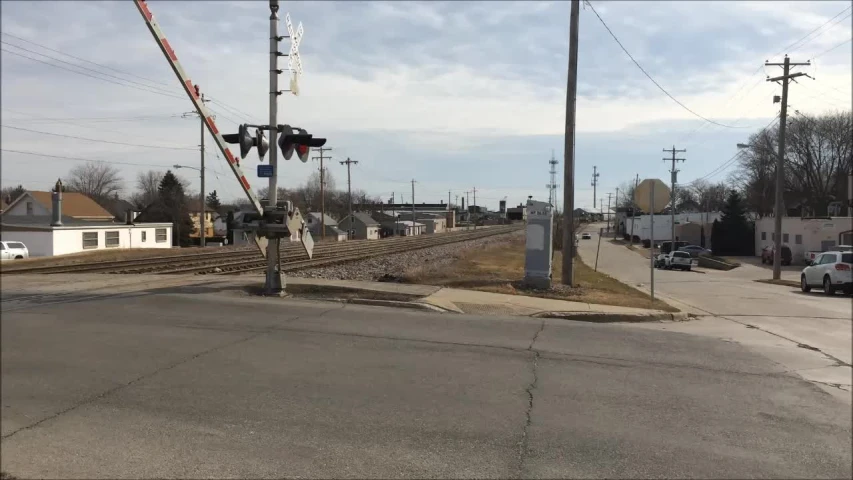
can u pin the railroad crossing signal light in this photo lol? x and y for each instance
(299, 140)
(247, 141)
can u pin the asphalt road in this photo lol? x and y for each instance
(810, 333)
(201, 382)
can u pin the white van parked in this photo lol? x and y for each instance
(13, 251)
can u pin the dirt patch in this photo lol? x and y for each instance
(499, 268)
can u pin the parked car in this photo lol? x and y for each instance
(586, 236)
(678, 259)
(13, 251)
(811, 255)
(666, 247)
(695, 251)
(831, 271)
(660, 260)
(768, 252)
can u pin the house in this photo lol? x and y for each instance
(435, 223)
(815, 234)
(517, 213)
(194, 207)
(119, 208)
(58, 234)
(316, 221)
(364, 227)
(74, 205)
(404, 228)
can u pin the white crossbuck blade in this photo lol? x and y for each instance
(295, 39)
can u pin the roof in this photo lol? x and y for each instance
(74, 204)
(117, 206)
(366, 219)
(43, 221)
(326, 221)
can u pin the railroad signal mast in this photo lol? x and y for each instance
(274, 222)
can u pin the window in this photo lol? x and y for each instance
(90, 239)
(29, 208)
(143, 235)
(785, 238)
(764, 235)
(847, 257)
(17, 245)
(111, 239)
(798, 239)
(827, 258)
(160, 235)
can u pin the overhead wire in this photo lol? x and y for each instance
(823, 32)
(97, 140)
(831, 49)
(77, 159)
(810, 33)
(685, 107)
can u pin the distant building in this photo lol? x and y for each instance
(194, 207)
(434, 222)
(363, 225)
(517, 213)
(816, 234)
(316, 222)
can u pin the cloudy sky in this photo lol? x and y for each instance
(456, 95)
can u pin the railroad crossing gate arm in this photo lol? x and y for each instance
(202, 110)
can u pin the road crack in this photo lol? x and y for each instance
(523, 443)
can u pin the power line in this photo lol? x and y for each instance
(821, 33)
(809, 34)
(831, 49)
(85, 68)
(83, 59)
(77, 159)
(91, 76)
(685, 107)
(97, 140)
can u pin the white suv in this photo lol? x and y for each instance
(13, 251)
(831, 271)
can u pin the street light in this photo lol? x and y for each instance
(201, 215)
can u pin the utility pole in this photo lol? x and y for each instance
(673, 178)
(394, 214)
(475, 206)
(594, 184)
(201, 235)
(349, 162)
(413, 206)
(609, 196)
(448, 200)
(569, 148)
(780, 160)
(552, 186)
(634, 209)
(615, 207)
(322, 190)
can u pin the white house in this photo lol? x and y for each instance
(435, 223)
(43, 239)
(803, 235)
(405, 228)
(663, 224)
(364, 227)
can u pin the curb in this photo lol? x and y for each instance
(398, 304)
(601, 317)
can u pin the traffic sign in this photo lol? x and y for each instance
(643, 195)
(265, 171)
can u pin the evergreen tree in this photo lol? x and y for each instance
(732, 234)
(212, 201)
(171, 206)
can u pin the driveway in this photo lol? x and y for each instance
(733, 302)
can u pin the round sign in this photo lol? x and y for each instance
(645, 199)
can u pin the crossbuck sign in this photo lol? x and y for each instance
(294, 63)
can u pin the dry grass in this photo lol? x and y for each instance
(500, 268)
(109, 256)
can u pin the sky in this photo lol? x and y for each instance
(455, 95)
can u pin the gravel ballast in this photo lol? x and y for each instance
(391, 267)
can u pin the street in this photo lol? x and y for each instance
(808, 332)
(201, 382)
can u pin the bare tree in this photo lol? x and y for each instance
(710, 197)
(147, 185)
(99, 181)
(10, 194)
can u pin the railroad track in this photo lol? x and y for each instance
(243, 260)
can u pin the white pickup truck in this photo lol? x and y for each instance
(678, 259)
(810, 256)
(13, 251)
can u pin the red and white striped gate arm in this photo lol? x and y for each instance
(199, 105)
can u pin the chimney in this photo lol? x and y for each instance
(56, 196)
(128, 217)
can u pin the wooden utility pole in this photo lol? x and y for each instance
(673, 178)
(594, 183)
(322, 190)
(475, 206)
(780, 160)
(413, 206)
(609, 196)
(615, 207)
(634, 208)
(569, 148)
(349, 162)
